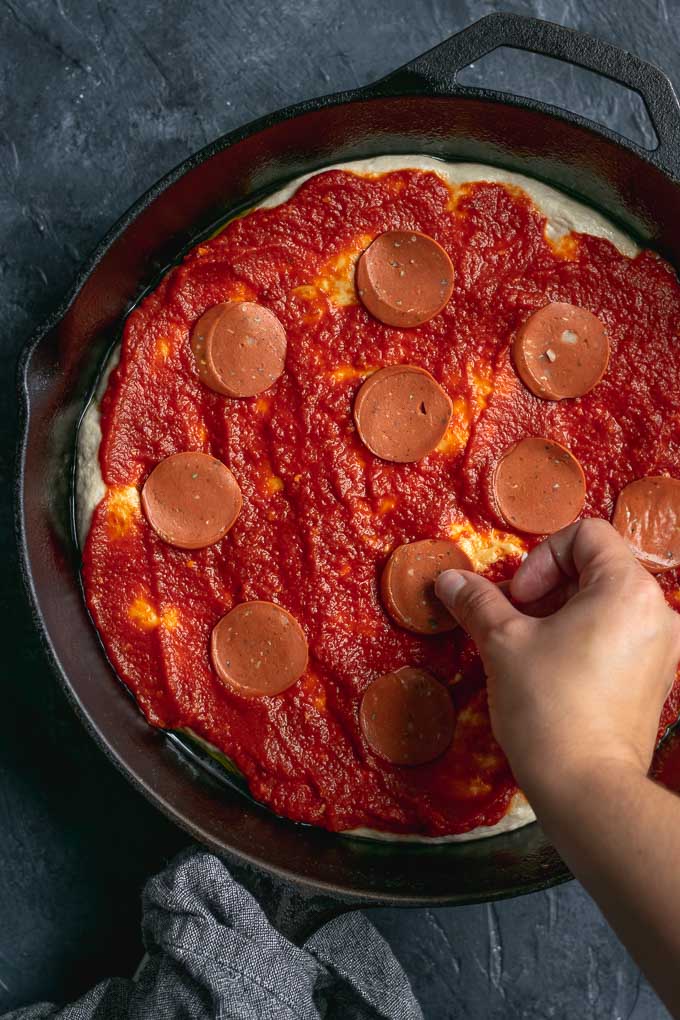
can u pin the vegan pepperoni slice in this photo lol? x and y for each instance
(258, 649)
(246, 349)
(647, 514)
(407, 717)
(561, 351)
(401, 413)
(240, 348)
(539, 486)
(199, 337)
(191, 500)
(407, 584)
(404, 278)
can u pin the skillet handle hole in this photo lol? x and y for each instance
(564, 85)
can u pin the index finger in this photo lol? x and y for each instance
(586, 551)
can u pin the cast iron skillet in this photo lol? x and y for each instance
(419, 108)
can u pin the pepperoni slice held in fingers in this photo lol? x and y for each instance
(404, 278)
(240, 348)
(561, 351)
(191, 500)
(407, 584)
(407, 717)
(401, 413)
(647, 514)
(539, 486)
(258, 649)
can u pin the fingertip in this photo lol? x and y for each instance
(448, 585)
(537, 575)
(475, 602)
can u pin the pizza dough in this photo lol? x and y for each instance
(564, 215)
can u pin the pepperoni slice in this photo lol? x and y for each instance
(407, 717)
(539, 486)
(561, 351)
(647, 514)
(258, 649)
(240, 348)
(407, 584)
(401, 413)
(246, 349)
(199, 337)
(404, 278)
(191, 500)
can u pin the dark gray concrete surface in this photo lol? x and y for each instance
(97, 100)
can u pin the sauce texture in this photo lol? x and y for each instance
(321, 514)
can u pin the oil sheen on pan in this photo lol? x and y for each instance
(321, 513)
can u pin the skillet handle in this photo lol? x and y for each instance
(436, 72)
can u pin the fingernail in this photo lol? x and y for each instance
(448, 584)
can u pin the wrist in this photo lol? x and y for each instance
(560, 777)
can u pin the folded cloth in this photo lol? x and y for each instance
(212, 953)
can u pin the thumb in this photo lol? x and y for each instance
(476, 603)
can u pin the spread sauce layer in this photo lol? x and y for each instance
(321, 514)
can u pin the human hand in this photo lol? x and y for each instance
(584, 686)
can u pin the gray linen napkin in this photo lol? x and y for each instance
(212, 953)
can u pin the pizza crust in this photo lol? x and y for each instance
(519, 813)
(564, 215)
(90, 487)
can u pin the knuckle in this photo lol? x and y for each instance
(477, 611)
(504, 632)
(643, 592)
(646, 608)
(475, 602)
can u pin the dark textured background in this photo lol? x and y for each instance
(98, 99)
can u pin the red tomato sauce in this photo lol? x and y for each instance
(666, 765)
(321, 514)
